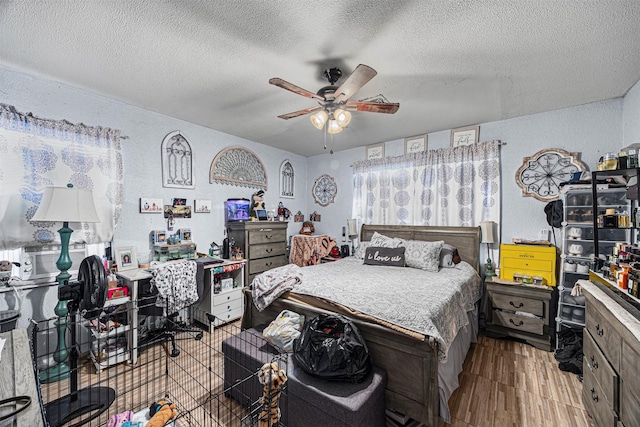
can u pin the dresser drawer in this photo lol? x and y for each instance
(264, 264)
(594, 401)
(228, 316)
(517, 303)
(599, 367)
(603, 333)
(220, 309)
(629, 386)
(517, 322)
(225, 297)
(267, 250)
(267, 235)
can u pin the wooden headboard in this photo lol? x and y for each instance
(466, 239)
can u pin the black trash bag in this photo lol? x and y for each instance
(331, 347)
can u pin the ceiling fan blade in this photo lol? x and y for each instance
(360, 76)
(277, 81)
(373, 107)
(298, 113)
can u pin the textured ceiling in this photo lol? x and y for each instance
(448, 63)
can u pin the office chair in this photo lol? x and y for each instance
(174, 287)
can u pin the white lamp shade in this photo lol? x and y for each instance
(342, 117)
(319, 119)
(334, 127)
(486, 228)
(352, 226)
(66, 204)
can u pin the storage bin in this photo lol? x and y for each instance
(8, 320)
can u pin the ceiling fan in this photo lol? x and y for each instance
(334, 109)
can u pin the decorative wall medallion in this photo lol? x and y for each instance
(177, 161)
(238, 166)
(324, 190)
(541, 174)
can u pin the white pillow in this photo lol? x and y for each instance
(423, 255)
(380, 240)
(361, 249)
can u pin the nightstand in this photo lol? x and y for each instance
(520, 311)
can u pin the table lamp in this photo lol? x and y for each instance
(65, 204)
(353, 233)
(487, 229)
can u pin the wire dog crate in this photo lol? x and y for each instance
(134, 378)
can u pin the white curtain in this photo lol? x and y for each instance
(35, 153)
(449, 186)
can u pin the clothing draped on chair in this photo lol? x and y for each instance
(448, 187)
(176, 284)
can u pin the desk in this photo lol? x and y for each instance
(132, 279)
(18, 379)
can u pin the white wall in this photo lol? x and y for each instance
(631, 116)
(591, 130)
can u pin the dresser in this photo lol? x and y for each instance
(520, 311)
(531, 260)
(264, 244)
(611, 364)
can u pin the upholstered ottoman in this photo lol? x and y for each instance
(244, 355)
(309, 401)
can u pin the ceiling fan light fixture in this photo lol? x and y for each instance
(343, 117)
(319, 119)
(334, 127)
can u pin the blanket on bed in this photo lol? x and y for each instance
(431, 303)
(268, 286)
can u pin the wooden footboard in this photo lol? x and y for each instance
(411, 365)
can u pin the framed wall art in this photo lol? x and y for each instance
(465, 136)
(148, 205)
(375, 151)
(126, 258)
(202, 206)
(415, 144)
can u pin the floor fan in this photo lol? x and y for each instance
(86, 297)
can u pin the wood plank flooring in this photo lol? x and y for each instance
(504, 383)
(507, 383)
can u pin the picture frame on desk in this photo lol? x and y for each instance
(126, 258)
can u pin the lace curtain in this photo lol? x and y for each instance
(449, 187)
(35, 153)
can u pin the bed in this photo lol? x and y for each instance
(420, 381)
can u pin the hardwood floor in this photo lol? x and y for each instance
(508, 383)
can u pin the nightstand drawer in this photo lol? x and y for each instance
(228, 316)
(516, 303)
(267, 250)
(599, 367)
(264, 264)
(517, 322)
(267, 235)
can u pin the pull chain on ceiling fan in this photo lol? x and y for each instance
(335, 108)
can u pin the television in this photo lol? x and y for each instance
(237, 210)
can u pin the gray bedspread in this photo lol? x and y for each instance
(429, 303)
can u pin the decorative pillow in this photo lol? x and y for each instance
(376, 255)
(360, 250)
(382, 241)
(449, 256)
(423, 255)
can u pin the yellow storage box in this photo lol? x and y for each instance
(528, 260)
